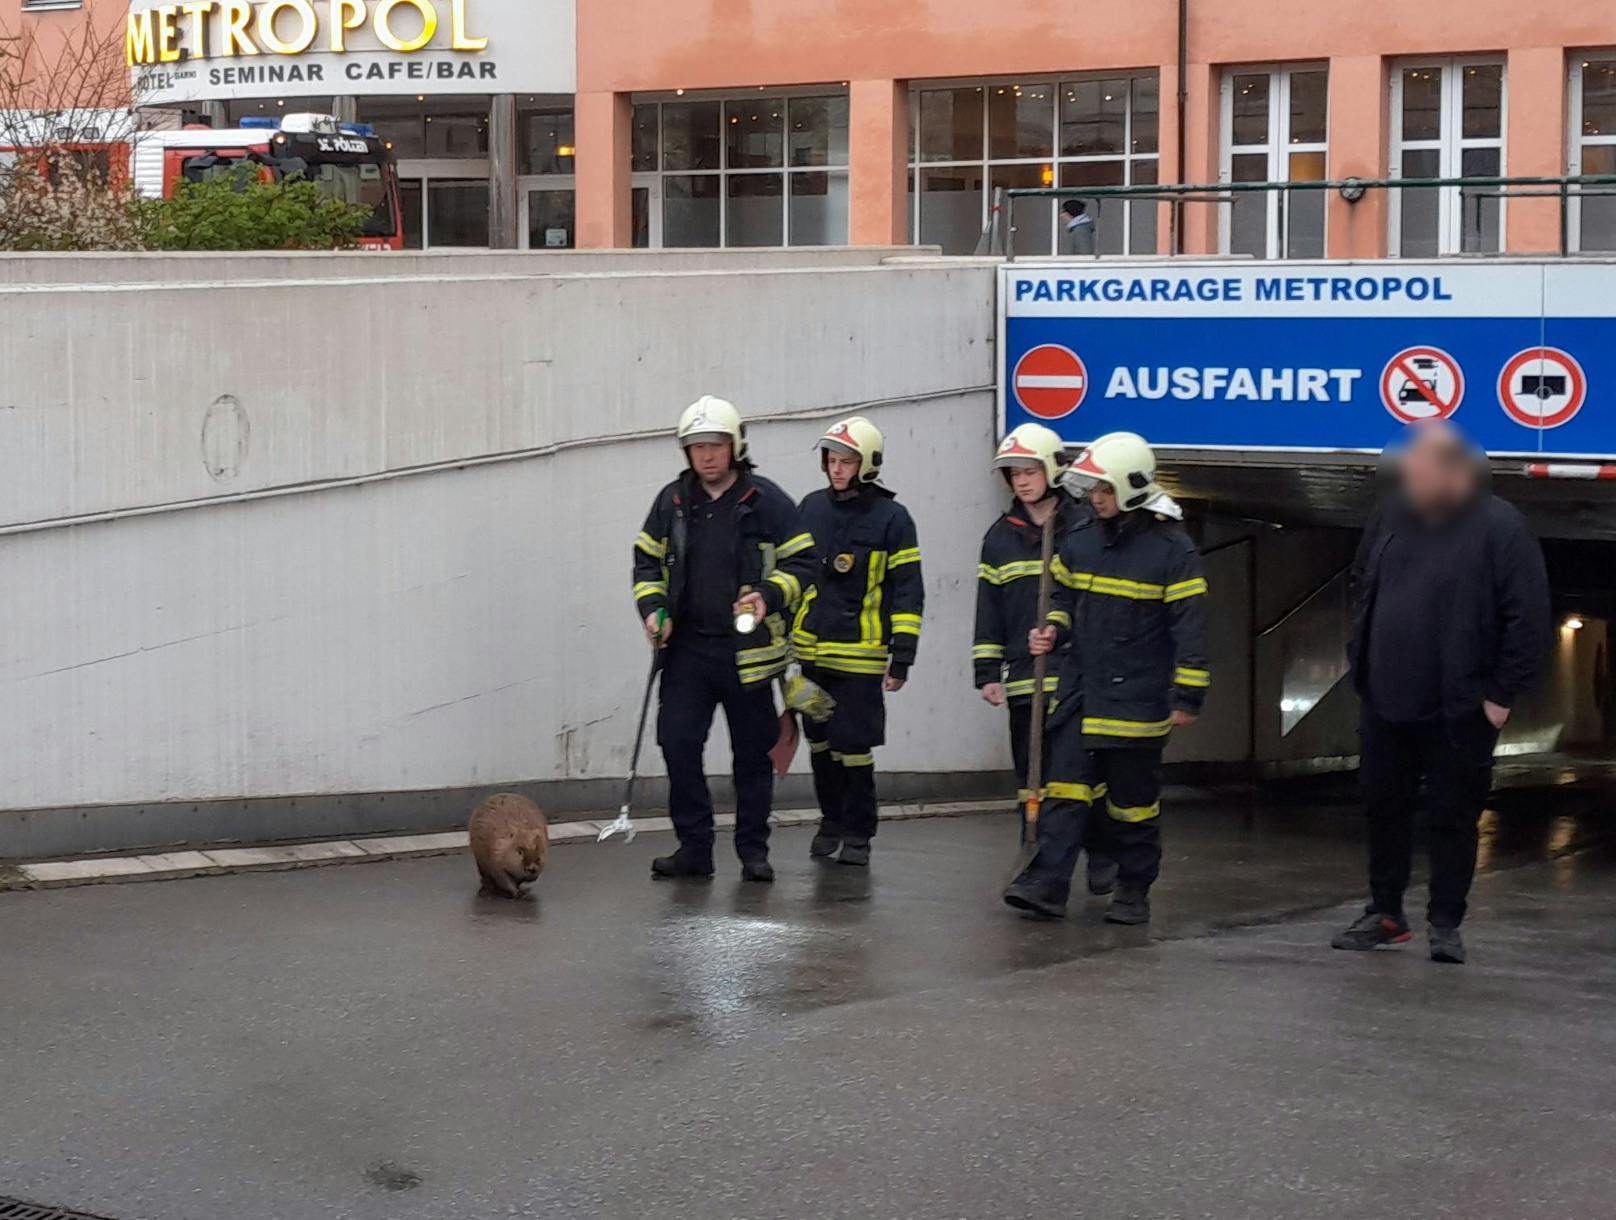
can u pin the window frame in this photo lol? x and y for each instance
(1577, 141)
(987, 163)
(1450, 145)
(655, 180)
(1277, 148)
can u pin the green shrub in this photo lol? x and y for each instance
(239, 211)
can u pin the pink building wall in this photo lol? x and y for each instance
(880, 46)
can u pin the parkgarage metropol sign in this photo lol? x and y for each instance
(204, 50)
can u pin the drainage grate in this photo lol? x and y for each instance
(16, 1209)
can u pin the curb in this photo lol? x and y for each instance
(217, 861)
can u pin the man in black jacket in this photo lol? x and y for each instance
(1451, 625)
(722, 560)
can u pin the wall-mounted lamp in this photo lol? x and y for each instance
(1572, 623)
(1353, 189)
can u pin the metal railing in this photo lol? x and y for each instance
(999, 236)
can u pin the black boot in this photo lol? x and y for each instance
(1036, 897)
(826, 840)
(856, 854)
(1129, 906)
(757, 868)
(1102, 875)
(686, 862)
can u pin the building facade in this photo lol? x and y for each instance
(612, 123)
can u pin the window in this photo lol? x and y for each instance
(1592, 212)
(755, 169)
(1274, 130)
(969, 139)
(1447, 121)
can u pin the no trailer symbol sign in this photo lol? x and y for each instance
(1421, 383)
(1542, 387)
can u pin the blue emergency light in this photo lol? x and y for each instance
(358, 129)
(262, 123)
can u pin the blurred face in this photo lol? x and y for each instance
(1104, 501)
(1439, 472)
(841, 469)
(711, 460)
(1029, 483)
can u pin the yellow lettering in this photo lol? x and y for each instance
(237, 16)
(198, 13)
(167, 35)
(267, 35)
(138, 45)
(384, 25)
(344, 15)
(462, 41)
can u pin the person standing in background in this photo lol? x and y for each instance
(1451, 625)
(1077, 228)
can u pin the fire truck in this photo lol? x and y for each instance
(346, 160)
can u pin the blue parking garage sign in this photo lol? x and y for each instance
(1313, 357)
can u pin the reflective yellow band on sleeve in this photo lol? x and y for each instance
(818, 747)
(794, 546)
(1186, 588)
(788, 584)
(1023, 686)
(654, 548)
(1074, 792)
(1097, 726)
(1061, 619)
(1185, 676)
(650, 588)
(1135, 813)
(987, 652)
(1008, 572)
(909, 554)
(906, 624)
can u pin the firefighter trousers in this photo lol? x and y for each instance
(1116, 790)
(842, 750)
(698, 677)
(1094, 837)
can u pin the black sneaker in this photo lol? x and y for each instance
(1102, 876)
(686, 862)
(1447, 946)
(757, 868)
(824, 846)
(1129, 906)
(1036, 898)
(1371, 930)
(856, 854)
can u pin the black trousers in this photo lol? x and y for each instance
(842, 751)
(1454, 760)
(698, 677)
(1119, 789)
(1094, 834)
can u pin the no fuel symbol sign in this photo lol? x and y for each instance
(1421, 383)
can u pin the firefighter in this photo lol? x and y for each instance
(857, 630)
(1129, 604)
(723, 548)
(1031, 460)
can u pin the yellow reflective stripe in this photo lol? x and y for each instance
(987, 652)
(1061, 618)
(818, 747)
(847, 665)
(761, 656)
(650, 588)
(909, 554)
(1011, 571)
(1065, 575)
(1186, 588)
(794, 546)
(906, 624)
(1101, 727)
(854, 760)
(788, 584)
(1136, 813)
(1134, 590)
(832, 648)
(870, 616)
(751, 677)
(1074, 792)
(651, 546)
(1185, 676)
(1023, 686)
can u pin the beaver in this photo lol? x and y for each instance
(510, 841)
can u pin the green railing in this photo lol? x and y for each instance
(1471, 189)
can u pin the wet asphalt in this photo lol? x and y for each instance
(379, 1041)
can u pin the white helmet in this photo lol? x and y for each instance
(859, 437)
(709, 420)
(1123, 460)
(1032, 445)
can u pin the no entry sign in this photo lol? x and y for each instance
(1421, 383)
(1542, 387)
(1051, 381)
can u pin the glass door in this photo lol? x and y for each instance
(549, 214)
